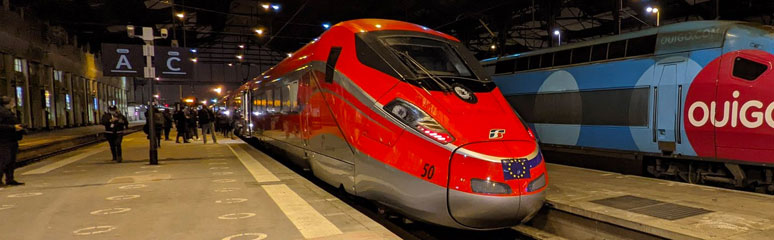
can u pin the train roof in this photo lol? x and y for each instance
(711, 31)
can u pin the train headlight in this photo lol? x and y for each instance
(489, 187)
(418, 120)
(537, 184)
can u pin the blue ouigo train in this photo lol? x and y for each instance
(692, 101)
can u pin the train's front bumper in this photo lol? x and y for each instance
(496, 184)
(491, 212)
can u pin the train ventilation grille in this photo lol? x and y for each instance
(650, 207)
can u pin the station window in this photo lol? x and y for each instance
(617, 49)
(19, 96)
(18, 65)
(599, 52)
(581, 54)
(641, 46)
(747, 69)
(534, 62)
(506, 66)
(562, 57)
(57, 75)
(68, 105)
(547, 60)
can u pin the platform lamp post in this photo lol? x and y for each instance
(150, 74)
(558, 34)
(654, 10)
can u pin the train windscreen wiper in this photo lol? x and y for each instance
(445, 87)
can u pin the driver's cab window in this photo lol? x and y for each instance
(748, 69)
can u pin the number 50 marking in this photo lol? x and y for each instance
(429, 171)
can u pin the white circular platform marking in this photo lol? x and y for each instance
(258, 236)
(219, 168)
(146, 171)
(150, 166)
(225, 180)
(233, 216)
(9, 206)
(110, 211)
(133, 186)
(222, 190)
(21, 195)
(222, 173)
(122, 197)
(94, 230)
(217, 163)
(231, 200)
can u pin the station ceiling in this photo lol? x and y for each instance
(221, 26)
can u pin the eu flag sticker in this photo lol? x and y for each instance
(515, 168)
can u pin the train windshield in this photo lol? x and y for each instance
(429, 56)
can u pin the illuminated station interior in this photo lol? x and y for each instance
(300, 119)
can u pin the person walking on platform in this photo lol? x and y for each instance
(180, 123)
(192, 119)
(167, 123)
(115, 123)
(11, 131)
(206, 117)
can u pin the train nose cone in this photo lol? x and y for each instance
(481, 195)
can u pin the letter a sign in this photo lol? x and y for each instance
(122, 60)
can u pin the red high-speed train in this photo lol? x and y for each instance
(402, 115)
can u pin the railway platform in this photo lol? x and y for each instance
(43, 143)
(215, 191)
(591, 204)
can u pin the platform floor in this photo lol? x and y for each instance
(680, 210)
(224, 191)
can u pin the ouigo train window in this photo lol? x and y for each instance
(747, 69)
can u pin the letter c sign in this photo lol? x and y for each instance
(169, 64)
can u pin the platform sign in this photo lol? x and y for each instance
(122, 60)
(173, 62)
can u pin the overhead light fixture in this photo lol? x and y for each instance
(326, 25)
(259, 31)
(180, 15)
(194, 60)
(230, 64)
(241, 46)
(158, 78)
(290, 54)
(193, 50)
(493, 47)
(239, 57)
(276, 7)
(265, 6)
(378, 26)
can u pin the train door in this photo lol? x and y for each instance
(743, 110)
(667, 97)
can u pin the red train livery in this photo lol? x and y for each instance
(402, 115)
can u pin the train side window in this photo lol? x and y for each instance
(617, 49)
(562, 57)
(599, 52)
(285, 98)
(547, 60)
(534, 62)
(277, 99)
(293, 96)
(747, 69)
(581, 54)
(522, 64)
(645, 45)
(506, 66)
(269, 101)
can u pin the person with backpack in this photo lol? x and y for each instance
(11, 132)
(115, 123)
(180, 123)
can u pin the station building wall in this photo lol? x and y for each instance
(56, 83)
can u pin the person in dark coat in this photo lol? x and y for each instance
(11, 131)
(167, 123)
(192, 119)
(115, 123)
(206, 117)
(180, 123)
